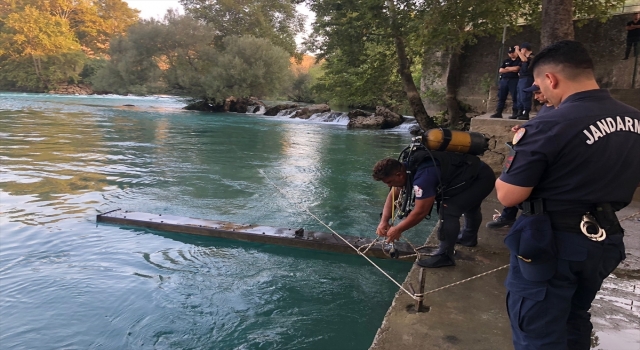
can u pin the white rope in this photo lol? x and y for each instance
(415, 297)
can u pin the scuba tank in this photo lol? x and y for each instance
(473, 143)
(437, 140)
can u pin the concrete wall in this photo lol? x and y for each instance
(499, 132)
(605, 42)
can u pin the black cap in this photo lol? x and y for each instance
(511, 49)
(526, 45)
(532, 88)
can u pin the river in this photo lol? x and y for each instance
(68, 283)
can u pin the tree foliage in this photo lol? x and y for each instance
(178, 54)
(274, 20)
(46, 42)
(354, 37)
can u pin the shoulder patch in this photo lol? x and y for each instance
(518, 136)
(417, 191)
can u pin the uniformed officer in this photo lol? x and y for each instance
(525, 80)
(468, 190)
(508, 215)
(508, 84)
(568, 238)
(633, 36)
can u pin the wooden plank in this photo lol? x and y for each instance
(251, 233)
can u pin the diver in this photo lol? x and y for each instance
(456, 182)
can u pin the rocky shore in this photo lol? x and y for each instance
(382, 118)
(72, 89)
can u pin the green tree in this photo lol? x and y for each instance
(349, 31)
(46, 42)
(247, 66)
(274, 20)
(40, 38)
(178, 54)
(133, 65)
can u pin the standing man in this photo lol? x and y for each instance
(633, 36)
(508, 84)
(508, 215)
(526, 79)
(568, 238)
(459, 182)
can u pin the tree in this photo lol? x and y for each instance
(37, 36)
(347, 31)
(57, 36)
(558, 15)
(274, 20)
(177, 53)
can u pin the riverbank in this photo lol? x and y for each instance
(472, 315)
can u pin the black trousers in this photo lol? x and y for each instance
(467, 203)
(506, 87)
(632, 42)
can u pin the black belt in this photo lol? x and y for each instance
(569, 221)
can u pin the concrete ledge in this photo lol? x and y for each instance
(473, 316)
(499, 132)
(470, 315)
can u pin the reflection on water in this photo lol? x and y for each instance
(613, 314)
(67, 283)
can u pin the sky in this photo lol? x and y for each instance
(154, 8)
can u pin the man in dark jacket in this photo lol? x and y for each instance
(508, 84)
(633, 36)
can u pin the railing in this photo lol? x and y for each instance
(627, 8)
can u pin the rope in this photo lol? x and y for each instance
(417, 296)
(465, 280)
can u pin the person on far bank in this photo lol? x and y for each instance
(508, 215)
(508, 84)
(633, 36)
(525, 80)
(459, 187)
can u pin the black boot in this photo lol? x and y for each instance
(467, 240)
(497, 114)
(444, 256)
(440, 260)
(524, 116)
(516, 115)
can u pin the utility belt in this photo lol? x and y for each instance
(596, 222)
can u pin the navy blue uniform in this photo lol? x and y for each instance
(508, 85)
(633, 39)
(425, 182)
(525, 81)
(586, 151)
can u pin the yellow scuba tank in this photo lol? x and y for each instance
(467, 142)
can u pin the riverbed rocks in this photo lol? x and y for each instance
(383, 118)
(72, 89)
(273, 111)
(241, 105)
(307, 111)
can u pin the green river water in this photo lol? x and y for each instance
(67, 283)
